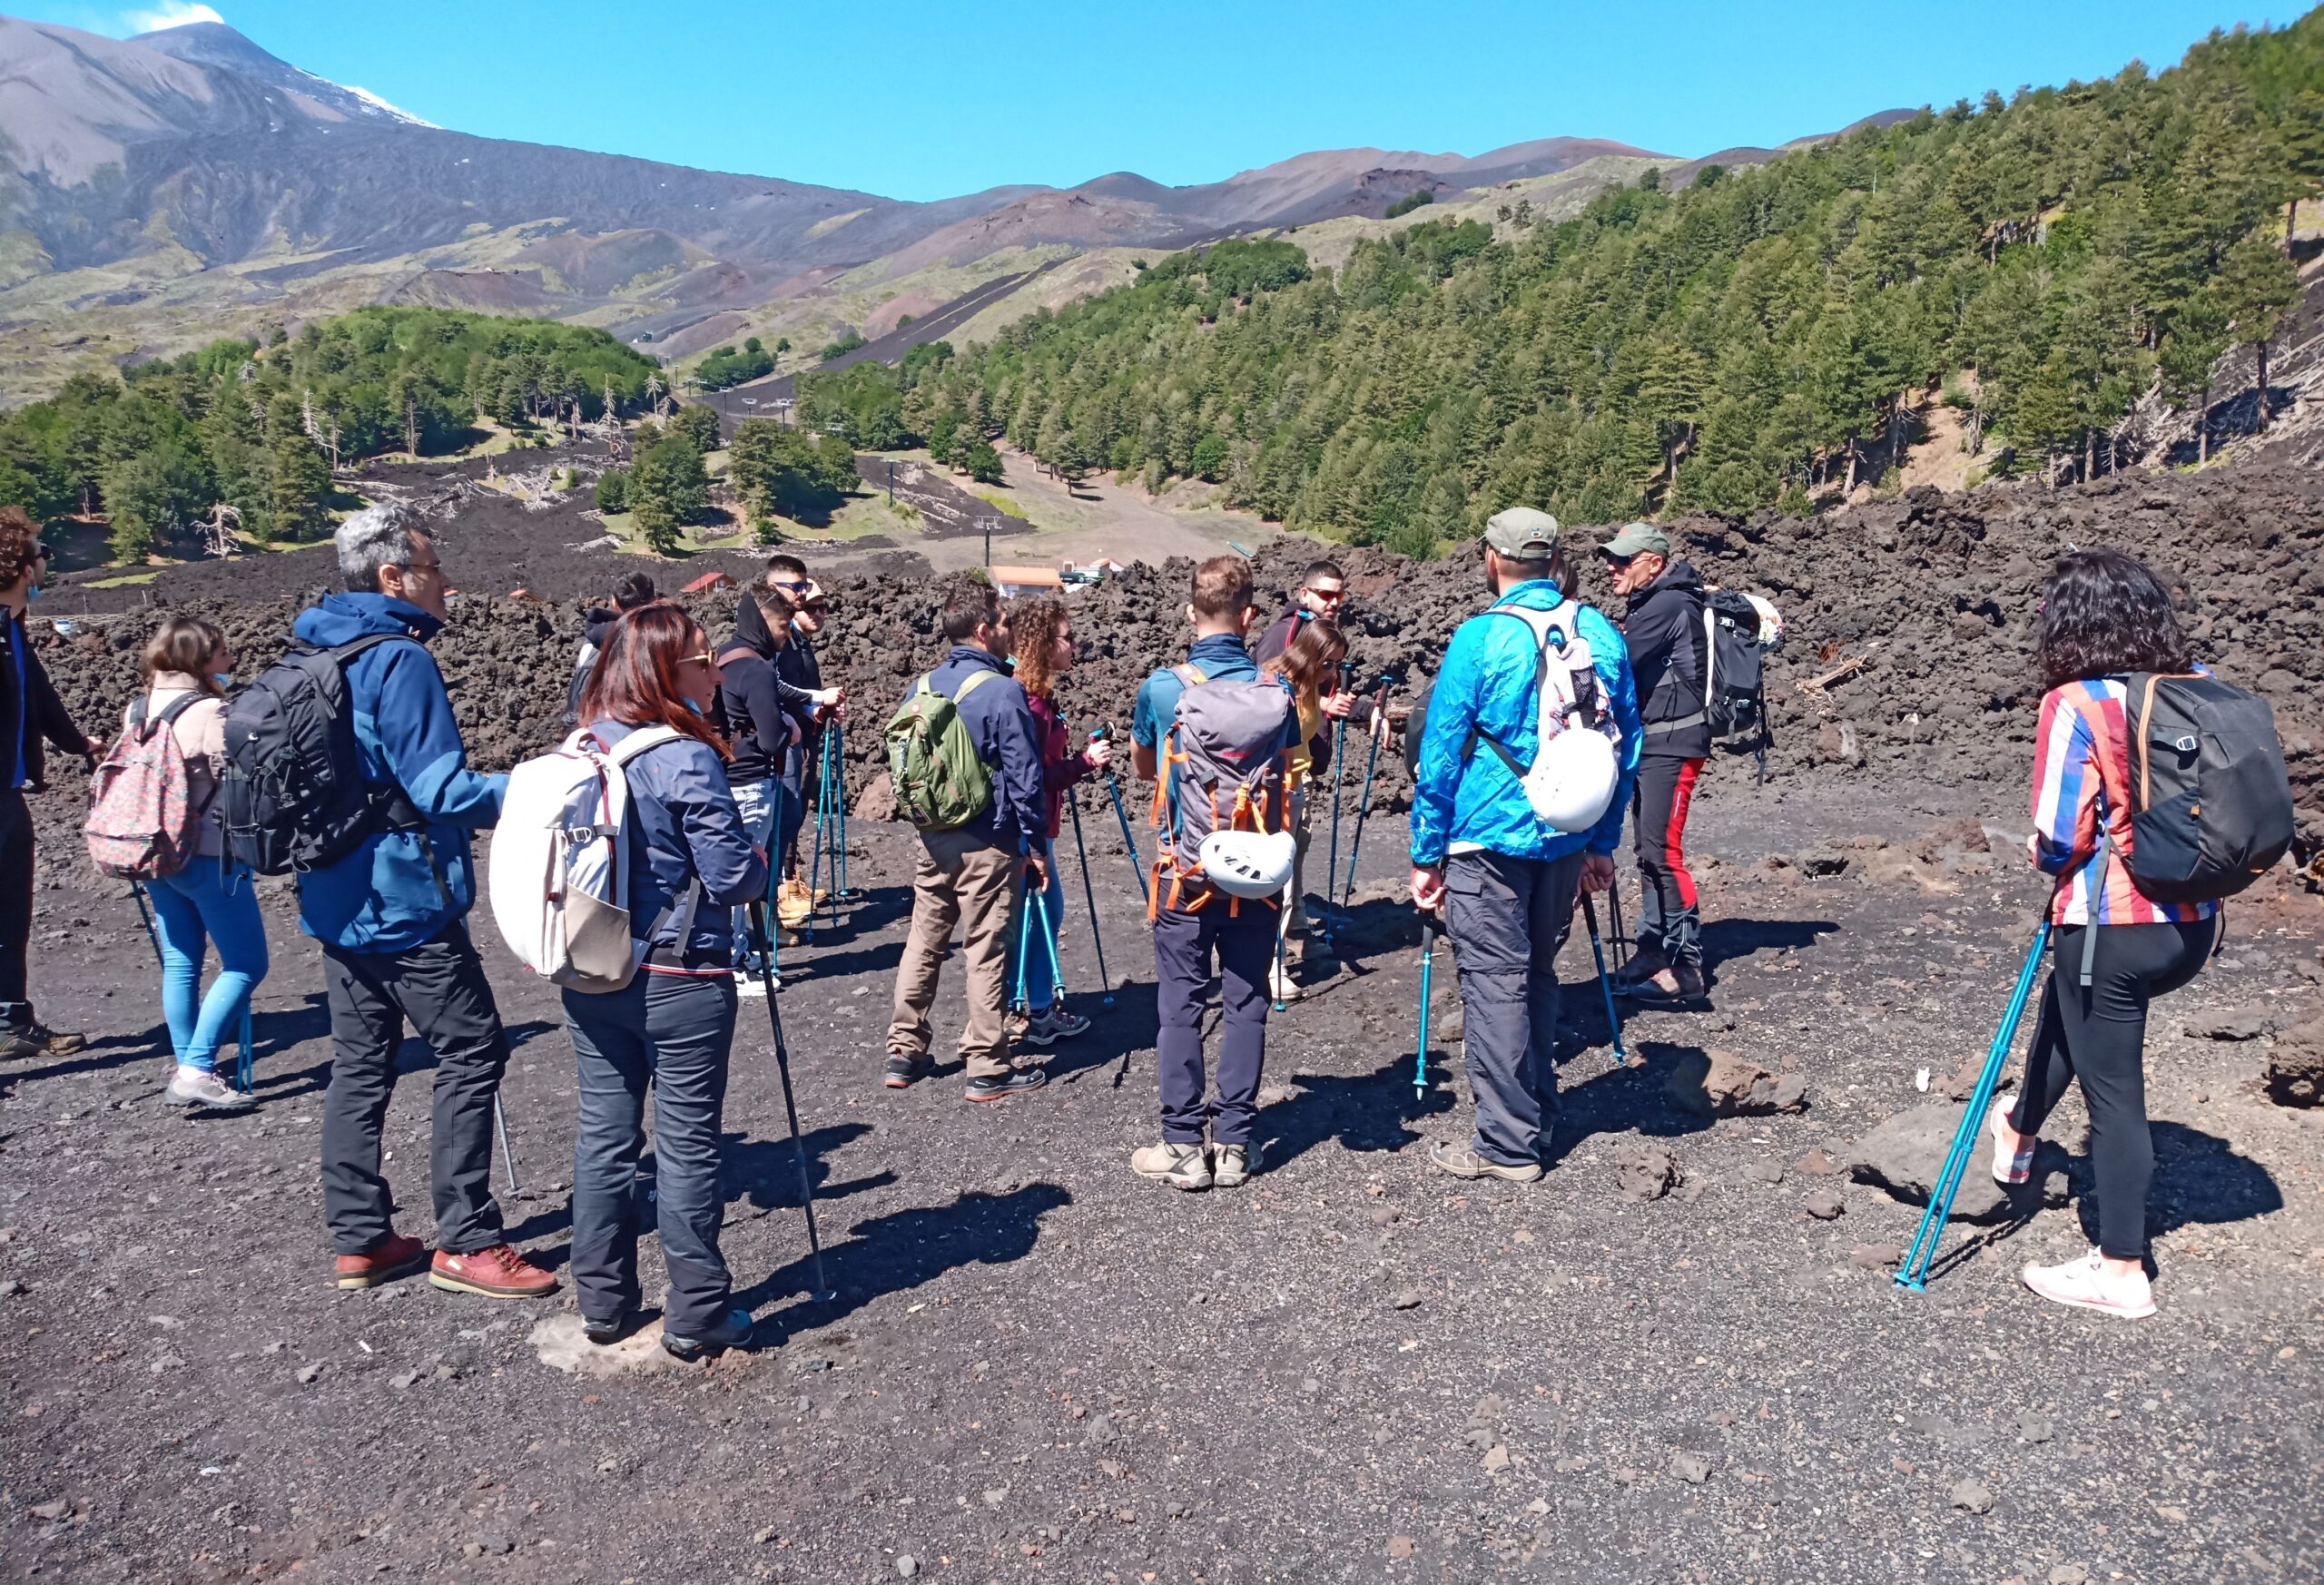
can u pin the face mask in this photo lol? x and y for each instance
(223, 679)
(32, 594)
(694, 707)
(451, 598)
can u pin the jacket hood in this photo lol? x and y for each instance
(344, 618)
(600, 617)
(1678, 574)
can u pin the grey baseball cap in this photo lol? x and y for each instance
(1523, 533)
(1636, 539)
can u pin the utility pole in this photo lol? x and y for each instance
(986, 520)
(891, 491)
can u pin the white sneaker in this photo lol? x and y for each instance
(2009, 1167)
(194, 1086)
(748, 985)
(1281, 984)
(2087, 1285)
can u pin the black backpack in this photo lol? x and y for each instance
(2210, 807)
(293, 790)
(1735, 686)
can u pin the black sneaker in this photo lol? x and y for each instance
(903, 1072)
(1001, 1086)
(732, 1331)
(604, 1333)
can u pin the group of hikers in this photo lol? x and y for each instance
(1548, 725)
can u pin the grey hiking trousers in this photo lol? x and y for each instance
(1507, 917)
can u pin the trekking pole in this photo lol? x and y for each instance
(1331, 868)
(846, 892)
(1136, 864)
(1914, 1273)
(759, 923)
(1364, 806)
(815, 854)
(1606, 986)
(1282, 931)
(1024, 948)
(1427, 978)
(1089, 896)
(507, 1152)
(1614, 917)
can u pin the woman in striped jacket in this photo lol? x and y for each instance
(2103, 617)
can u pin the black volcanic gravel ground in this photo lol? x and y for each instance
(1038, 1365)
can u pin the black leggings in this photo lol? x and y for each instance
(2098, 1036)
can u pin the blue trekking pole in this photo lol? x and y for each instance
(1136, 864)
(1364, 806)
(1914, 1273)
(1332, 869)
(815, 857)
(1427, 978)
(1606, 986)
(845, 892)
(1024, 948)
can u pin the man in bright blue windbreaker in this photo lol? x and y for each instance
(391, 916)
(1505, 878)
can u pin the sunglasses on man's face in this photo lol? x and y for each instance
(1333, 596)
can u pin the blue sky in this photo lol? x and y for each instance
(930, 101)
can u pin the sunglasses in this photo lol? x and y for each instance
(1333, 596)
(705, 657)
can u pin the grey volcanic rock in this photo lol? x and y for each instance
(1906, 1155)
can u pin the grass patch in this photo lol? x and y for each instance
(126, 581)
(1009, 508)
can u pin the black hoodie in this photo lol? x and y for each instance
(593, 639)
(1664, 630)
(797, 673)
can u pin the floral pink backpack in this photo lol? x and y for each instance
(142, 824)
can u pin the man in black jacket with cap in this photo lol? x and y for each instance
(1669, 654)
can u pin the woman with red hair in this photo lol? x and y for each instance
(671, 1027)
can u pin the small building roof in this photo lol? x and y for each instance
(709, 580)
(1029, 577)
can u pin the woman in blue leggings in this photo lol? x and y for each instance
(186, 666)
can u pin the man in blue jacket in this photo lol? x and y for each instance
(1505, 878)
(391, 918)
(971, 872)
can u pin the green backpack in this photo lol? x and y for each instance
(940, 782)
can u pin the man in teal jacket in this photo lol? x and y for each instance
(1506, 879)
(391, 916)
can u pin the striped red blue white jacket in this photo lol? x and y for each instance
(2082, 730)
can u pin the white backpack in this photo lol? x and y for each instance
(1571, 781)
(559, 876)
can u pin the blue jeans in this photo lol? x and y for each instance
(197, 905)
(770, 810)
(1040, 984)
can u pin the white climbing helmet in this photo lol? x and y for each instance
(1248, 863)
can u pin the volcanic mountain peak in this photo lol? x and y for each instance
(213, 44)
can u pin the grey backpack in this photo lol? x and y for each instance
(1224, 761)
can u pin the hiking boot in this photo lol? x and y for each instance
(2087, 1285)
(1461, 1161)
(2010, 1167)
(393, 1256)
(498, 1273)
(1280, 985)
(32, 1038)
(1678, 983)
(1231, 1166)
(1058, 1023)
(901, 1072)
(1649, 962)
(995, 1087)
(606, 1333)
(199, 1086)
(1179, 1165)
(732, 1330)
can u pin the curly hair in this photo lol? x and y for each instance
(1033, 624)
(19, 546)
(2104, 614)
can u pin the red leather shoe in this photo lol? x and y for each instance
(393, 1256)
(498, 1273)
